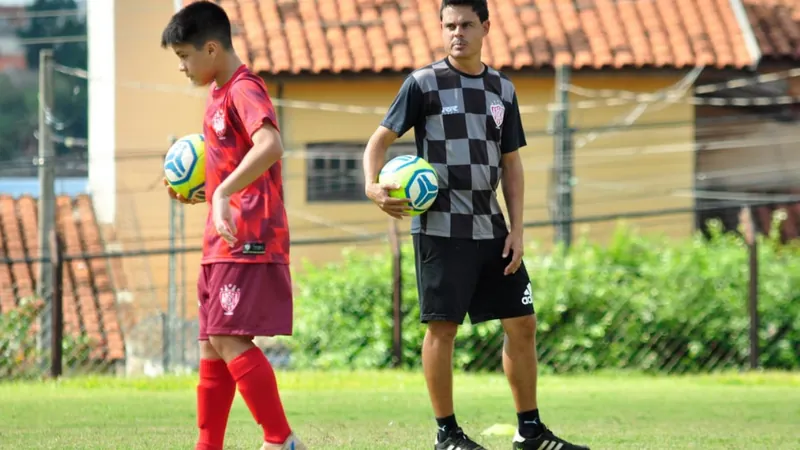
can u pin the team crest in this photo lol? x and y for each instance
(229, 298)
(498, 113)
(218, 123)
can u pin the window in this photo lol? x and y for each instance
(335, 171)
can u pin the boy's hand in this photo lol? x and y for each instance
(175, 196)
(223, 219)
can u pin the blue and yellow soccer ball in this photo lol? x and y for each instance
(417, 179)
(185, 167)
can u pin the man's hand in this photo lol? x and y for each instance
(223, 219)
(175, 196)
(395, 207)
(514, 245)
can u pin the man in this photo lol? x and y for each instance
(467, 126)
(244, 286)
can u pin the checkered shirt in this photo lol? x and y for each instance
(463, 124)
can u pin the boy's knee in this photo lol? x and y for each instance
(229, 347)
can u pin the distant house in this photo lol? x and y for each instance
(317, 55)
(12, 51)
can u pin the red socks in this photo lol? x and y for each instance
(256, 380)
(214, 398)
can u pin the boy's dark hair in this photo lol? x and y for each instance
(478, 6)
(197, 24)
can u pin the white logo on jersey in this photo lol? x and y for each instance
(446, 110)
(218, 123)
(498, 113)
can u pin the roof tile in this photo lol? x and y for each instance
(298, 36)
(89, 302)
(776, 25)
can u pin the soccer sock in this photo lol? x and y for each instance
(256, 380)
(446, 426)
(215, 393)
(529, 423)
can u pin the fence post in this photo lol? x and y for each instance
(750, 233)
(56, 306)
(397, 294)
(563, 159)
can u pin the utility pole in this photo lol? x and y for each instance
(563, 159)
(47, 197)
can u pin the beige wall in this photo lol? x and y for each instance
(616, 172)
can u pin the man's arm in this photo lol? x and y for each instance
(514, 189)
(255, 110)
(404, 113)
(513, 173)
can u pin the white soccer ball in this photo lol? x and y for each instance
(417, 179)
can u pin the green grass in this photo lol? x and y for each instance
(390, 410)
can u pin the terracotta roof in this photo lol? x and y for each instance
(88, 293)
(306, 36)
(776, 25)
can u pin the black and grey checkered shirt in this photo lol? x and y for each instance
(463, 124)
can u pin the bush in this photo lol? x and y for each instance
(644, 303)
(20, 355)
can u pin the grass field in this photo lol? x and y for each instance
(390, 411)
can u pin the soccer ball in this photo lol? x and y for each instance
(417, 180)
(185, 167)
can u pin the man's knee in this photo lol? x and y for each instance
(520, 330)
(442, 331)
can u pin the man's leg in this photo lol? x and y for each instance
(446, 278)
(510, 299)
(216, 388)
(437, 364)
(250, 300)
(520, 366)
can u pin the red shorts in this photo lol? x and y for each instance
(244, 299)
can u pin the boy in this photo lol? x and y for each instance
(467, 125)
(244, 286)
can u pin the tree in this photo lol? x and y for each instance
(18, 117)
(70, 96)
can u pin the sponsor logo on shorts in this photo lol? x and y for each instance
(527, 296)
(229, 298)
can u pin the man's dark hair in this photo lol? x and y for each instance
(478, 6)
(197, 24)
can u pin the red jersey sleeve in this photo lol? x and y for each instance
(253, 105)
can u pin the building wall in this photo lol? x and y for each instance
(616, 172)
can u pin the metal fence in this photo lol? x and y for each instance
(621, 334)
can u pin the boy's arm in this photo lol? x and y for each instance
(255, 109)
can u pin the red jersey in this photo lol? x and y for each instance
(234, 112)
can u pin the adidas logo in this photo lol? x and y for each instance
(527, 297)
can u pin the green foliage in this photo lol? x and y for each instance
(18, 117)
(639, 302)
(70, 94)
(20, 356)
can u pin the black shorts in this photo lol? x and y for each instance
(460, 276)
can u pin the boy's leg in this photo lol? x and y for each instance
(248, 300)
(216, 388)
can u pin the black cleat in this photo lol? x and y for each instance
(457, 440)
(545, 441)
